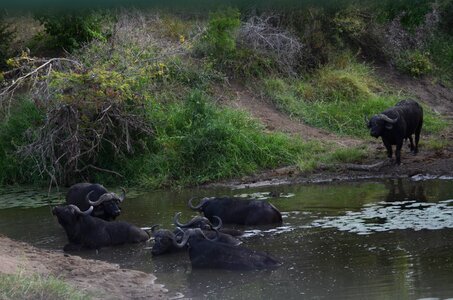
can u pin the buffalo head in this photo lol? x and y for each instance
(107, 205)
(164, 241)
(378, 123)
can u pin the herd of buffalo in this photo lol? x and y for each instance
(88, 217)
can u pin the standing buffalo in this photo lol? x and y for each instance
(238, 211)
(396, 124)
(106, 204)
(209, 253)
(86, 231)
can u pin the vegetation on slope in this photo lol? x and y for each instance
(136, 99)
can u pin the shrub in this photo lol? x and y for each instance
(15, 132)
(415, 63)
(69, 30)
(219, 40)
(6, 37)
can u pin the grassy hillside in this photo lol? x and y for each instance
(136, 96)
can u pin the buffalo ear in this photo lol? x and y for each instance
(388, 125)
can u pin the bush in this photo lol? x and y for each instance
(6, 37)
(70, 30)
(415, 63)
(219, 40)
(15, 132)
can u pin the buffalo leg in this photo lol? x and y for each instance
(417, 138)
(412, 147)
(388, 146)
(398, 152)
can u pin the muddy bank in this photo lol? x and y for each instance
(427, 163)
(100, 279)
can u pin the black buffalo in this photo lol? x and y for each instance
(87, 232)
(209, 253)
(106, 204)
(397, 124)
(204, 224)
(166, 241)
(238, 211)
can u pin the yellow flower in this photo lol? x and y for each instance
(181, 38)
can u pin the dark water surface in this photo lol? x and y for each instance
(389, 239)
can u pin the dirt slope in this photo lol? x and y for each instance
(433, 162)
(104, 280)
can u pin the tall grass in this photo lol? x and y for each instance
(23, 287)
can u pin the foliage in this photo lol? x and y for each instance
(219, 40)
(6, 37)
(441, 49)
(21, 286)
(412, 11)
(70, 30)
(14, 133)
(415, 63)
(196, 142)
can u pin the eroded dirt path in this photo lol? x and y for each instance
(97, 278)
(275, 120)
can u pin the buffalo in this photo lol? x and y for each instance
(106, 204)
(209, 253)
(397, 124)
(165, 241)
(204, 224)
(238, 211)
(87, 232)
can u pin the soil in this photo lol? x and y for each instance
(98, 279)
(109, 281)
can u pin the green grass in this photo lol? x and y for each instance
(21, 287)
(24, 118)
(338, 98)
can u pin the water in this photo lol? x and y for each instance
(389, 239)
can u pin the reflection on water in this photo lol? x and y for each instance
(405, 253)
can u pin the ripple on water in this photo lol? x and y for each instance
(386, 216)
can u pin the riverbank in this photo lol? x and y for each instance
(98, 279)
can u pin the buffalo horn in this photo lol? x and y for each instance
(184, 240)
(199, 206)
(219, 225)
(387, 119)
(190, 223)
(153, 228)
(366, 119)
(77, 210)
(104, 197)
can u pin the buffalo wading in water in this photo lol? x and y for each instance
(209, 253)
(204, 224)
(238, 211)
(396, 124)
(165, 241)
(87, 232)
(106, 204)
